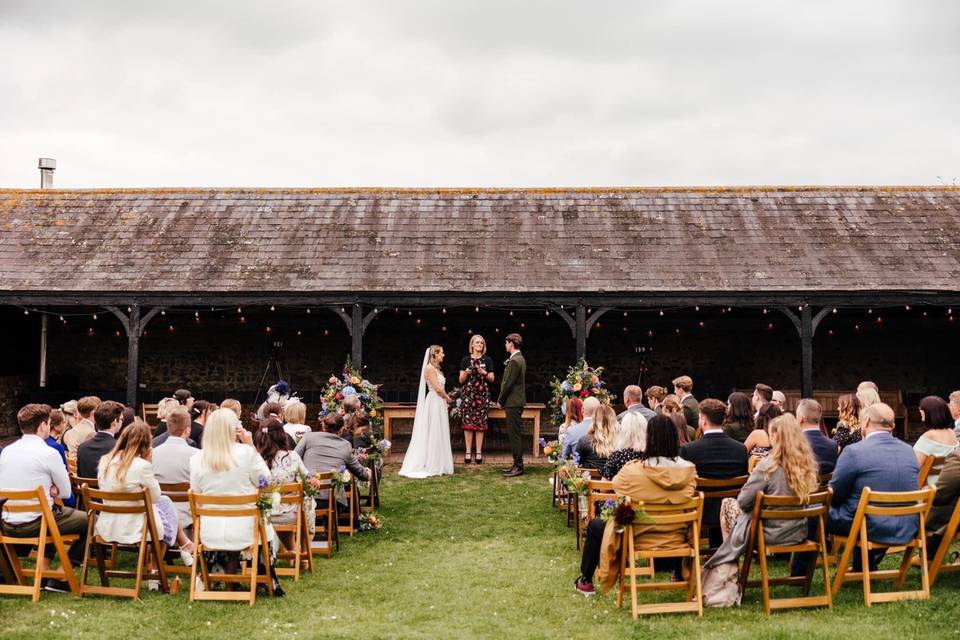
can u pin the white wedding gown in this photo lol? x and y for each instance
(429, 453)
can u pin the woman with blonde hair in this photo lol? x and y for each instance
(789, 470)
(847, 431)
(601, 439)
(296, 416)
(868, 396)
(128, 468)
(233, 405)
(631, 443)
(476, 375)
(164, 407)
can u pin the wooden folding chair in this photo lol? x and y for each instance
(950, 535)
(559, 498)
(788, 508)
(685, 517)
(71, 465)
(76, 485)
(327, 533)
(151, 544)
(347, 521)
(932, 465)
(179, 493)
(245, 506)
(148, 411)
(597, 490)
(299, 552)
(371, 499)
(717, 489)
(595, 474)
(914, 504)
(34, 501)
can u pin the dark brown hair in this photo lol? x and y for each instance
(106, 413)
(332, 423)
(764, 391)
(658, 393)
(515, 340)
(182, 395)
(768, 411)
(56, 419)
(199, 406)
(936, 413)
(31, 416)
(714, 410)
(739, 410)
(662, 440)
(270, 439)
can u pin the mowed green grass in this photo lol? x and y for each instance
(468, 556)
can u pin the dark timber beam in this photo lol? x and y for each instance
(581, 331)
(806, 325)
(134, 322)
(357, 324)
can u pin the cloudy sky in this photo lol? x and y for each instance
(480, 93)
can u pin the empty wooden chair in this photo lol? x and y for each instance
(149, 547)
(148, 411)
(33, 501)
(685, 517)
(906, 504)
(241, 508)
(789, 508)
(294, 535)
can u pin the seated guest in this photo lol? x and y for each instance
(762, 394)
(285, 465)
(164, 437)
(199, 412)
(789, 470)
(128, 468)
(233, 405)
(868, 394)
(655, 396)
(758, 442)
(778, 398)
(658, 477)
(296, 415)
(184, 398)
(944, 501)
(600, 439)
(809, 413)
(84, 429)
(716, 456)
(57, 426)
(939, 439)
(630, 443)
(171, 459)
(107, 418)
(29, 463)
(69, 409)
(577, 431)
(883, 463)
(683, 388)
(672, 408)
(324, 451)
(129, 416)
(572, 414)
(633, 401)
(350, 405)
(164, 407)
(955, 411)
(738, 423)
(229, 465)
(847, 431)
(358, 430)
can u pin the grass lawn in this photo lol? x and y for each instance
(468, 556)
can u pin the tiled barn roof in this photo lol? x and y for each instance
(496, 240)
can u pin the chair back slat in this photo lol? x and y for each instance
(932, 465)
(176, 491)
(31, 500)
(659, 514)
(721, 487)
(792, 508)
(240, 506)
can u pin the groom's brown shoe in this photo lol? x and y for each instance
(508, 471)
(513, 473)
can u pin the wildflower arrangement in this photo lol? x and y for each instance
(622, 512)
(575, 481)
(340, 478)
(581, 381)
(369, 521)
(551, 449)
(269, 500)
(378, 449)
(312, 485)
(352, 383)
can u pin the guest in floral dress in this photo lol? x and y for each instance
(847, 431)
(285, 467)
(476, 374)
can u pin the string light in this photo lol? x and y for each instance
(907, 307)
(829, 332)
(342, 310)
(61, 319)
(418, 321)
(326, 332)
(677, 331)
(661, 312)
(25, 312)
(702, 325)
(834, 310)
(243, 319)
(764, 311)
(308, 309)
(94, 316)
(299, 333)
(546, 312)
(870, 311)
(444, 310)
(696, 308)
(650, 333)
(410, 313)
(523, 325)
(511, 313)
(239, 309)
(272, 308)
(476, 309)
(624, 314)
(269, 329)
(163, 312)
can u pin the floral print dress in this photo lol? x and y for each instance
(475, 393)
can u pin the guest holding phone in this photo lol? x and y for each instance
(476, 374)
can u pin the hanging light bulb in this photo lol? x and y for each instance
(272, 308)
(342, 310)
(870, 311)
(764, 311)
(444, 310)
(196, 314)
(907, 308)
(624, 314)
(163, 312)
(299, 333)
(661, 312)
(61, 319)
(511, 313)
(546, 312)
(834, 310)
(308, 309)
(26, 312)
(696, 308)
(94, 316)
(476, 309)
(239, 309)
(409, 313)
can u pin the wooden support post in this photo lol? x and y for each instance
(356, 336)
(581, 331)
(133, 355)
(806, 352)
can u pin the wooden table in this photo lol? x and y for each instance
(394, 410)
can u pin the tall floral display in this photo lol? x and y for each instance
(352, 383)
(581, 381)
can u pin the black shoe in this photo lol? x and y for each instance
(478, 459)
(466, 459)
(508, 471)
(57, 586)
(513, 473)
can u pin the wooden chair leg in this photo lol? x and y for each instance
(764, 573)
(865, 559)
(633, 576)
(253, 569)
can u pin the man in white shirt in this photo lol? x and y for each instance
(577, 431)
(171, 460)
(30, 463)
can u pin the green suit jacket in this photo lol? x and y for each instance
(691, 411)
(513, 389)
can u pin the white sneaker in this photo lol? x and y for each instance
(153, 585)
(187, 557)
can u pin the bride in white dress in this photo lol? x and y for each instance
(429, 453)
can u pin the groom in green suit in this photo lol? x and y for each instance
(513, 397)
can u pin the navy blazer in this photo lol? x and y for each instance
(90, 452)
(882, 463)
(716, 455)
(824, 448)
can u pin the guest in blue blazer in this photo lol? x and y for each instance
(825, 449)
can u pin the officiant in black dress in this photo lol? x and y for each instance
(476, 374)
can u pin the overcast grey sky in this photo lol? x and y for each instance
(480, 93)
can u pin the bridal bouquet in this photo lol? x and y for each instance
(352, 383)
(581, 381)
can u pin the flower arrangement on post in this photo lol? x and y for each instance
(269, 500)
(623, 513)
(551, 449)
(312, 485)
(352, 382)
(573, 479)
(581, 381)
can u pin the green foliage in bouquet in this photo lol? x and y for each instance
(352, 382)
(581, 381)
